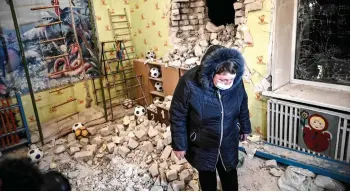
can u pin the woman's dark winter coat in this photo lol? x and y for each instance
(207, 122)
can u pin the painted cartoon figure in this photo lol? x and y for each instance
(315, 135)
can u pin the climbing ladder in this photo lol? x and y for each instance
(121, 30)
(55, 5)
(119, 81)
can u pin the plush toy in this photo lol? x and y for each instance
(79, 130)
(150, 56)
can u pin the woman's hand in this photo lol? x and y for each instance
(243, 137)
(179, 154)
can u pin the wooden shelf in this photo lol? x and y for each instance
(155, 63)
(157, 93)
(155, 79)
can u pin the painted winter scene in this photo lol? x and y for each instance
(50, 63)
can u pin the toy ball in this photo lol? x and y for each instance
(35, 155)
(79, 130)
(155, 72)
(159, 86)
(157, 100)
(127, 104)
(139, 111)
(150, 55)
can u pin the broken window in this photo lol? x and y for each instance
(322, 41)
(221, 12)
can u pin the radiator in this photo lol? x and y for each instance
(284, 128)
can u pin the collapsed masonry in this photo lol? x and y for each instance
(127, 155)
(191, 31)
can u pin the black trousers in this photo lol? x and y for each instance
(229, 180)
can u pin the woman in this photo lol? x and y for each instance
(209, 114)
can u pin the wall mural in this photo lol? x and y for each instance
(317, 131)
(50, 63)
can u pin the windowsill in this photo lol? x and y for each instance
(318, 96)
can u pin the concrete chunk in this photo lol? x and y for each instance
(105, 131)
(96, 140)
(59, 149)
(92, 148)
(159, 146)
(178, 168)
(171, 175)
(185, 176)
(91, 130)
(117, 140)
(71, 137)
(271, 163)
(152, 132)
(84, 142)
(154, 170)
(123, 151)
(166, 152)
(83, 155)
(194, 185)
(73, 150)
(141, 135)
(110, 147)
(132, 143)
(147, 147)
(178, 185)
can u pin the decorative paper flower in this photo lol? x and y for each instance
(304, 114)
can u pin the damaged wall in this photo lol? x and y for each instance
(152, 25)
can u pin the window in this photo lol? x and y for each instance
(302, 69)
(322, 49)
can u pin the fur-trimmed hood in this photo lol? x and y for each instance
(213, 58)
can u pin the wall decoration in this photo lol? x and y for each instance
(317, 131)
(260, 60)
(156, 6)
(46, 70)
(262, 20)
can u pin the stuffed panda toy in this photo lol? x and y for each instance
(150, 56)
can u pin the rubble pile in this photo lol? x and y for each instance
(166, 104)
(122, 156)
(192, 32)
(187, 52)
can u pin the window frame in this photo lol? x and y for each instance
(293, 63)
(281, 65)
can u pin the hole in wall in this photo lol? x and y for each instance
(221, 12)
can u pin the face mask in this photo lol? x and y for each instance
(223, 86)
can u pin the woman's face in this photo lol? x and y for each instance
(224, 78)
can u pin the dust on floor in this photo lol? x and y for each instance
(254, 176)
(117, 173)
